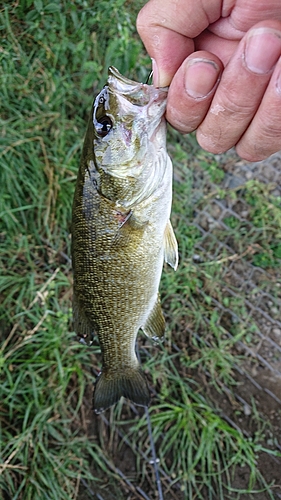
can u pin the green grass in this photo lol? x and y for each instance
(266, 218)
(53, 55)
(203, 449)
(41, 393)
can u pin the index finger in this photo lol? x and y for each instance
(167, 30)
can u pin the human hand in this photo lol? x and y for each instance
(222, 61)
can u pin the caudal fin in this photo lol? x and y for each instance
(109, 388)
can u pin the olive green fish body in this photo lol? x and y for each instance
(121, 233)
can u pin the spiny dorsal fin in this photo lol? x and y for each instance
(154, 327)
(170, 247)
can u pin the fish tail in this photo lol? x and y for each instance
(131, 384)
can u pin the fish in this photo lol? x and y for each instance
(121, 233)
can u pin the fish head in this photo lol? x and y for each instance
(129, 127)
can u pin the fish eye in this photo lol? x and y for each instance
(103, 126)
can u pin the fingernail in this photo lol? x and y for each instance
(200, 77)
(263, 49)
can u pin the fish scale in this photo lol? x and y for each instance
(121, 232)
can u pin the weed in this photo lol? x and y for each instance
(53, 55)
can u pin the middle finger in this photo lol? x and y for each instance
(241, 88)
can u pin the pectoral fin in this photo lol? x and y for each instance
(128, 223)
(154, 327)
(170, 247)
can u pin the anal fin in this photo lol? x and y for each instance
(154, 327)
(170, 247)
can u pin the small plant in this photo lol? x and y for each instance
(54, 57)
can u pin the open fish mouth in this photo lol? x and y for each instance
(138, 102)
(149, 100)
(139, 94)
(112, 71)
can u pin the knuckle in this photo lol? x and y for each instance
(260, 141)
(185, 119)
(270, 126)
(179, 122)
(142, 21)
(252, 152)
(234, 106)
(210, 141)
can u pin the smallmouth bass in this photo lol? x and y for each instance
(121, 232)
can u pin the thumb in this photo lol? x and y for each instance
(167, 30)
